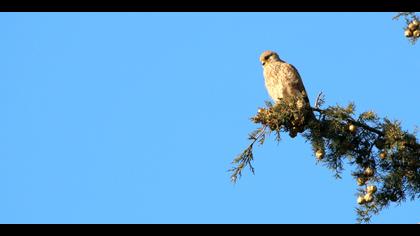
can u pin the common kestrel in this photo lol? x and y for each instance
(282, 79)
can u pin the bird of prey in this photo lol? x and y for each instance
(283, 81)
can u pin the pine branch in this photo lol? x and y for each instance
(246, 157)
(385, 157)
(350, 119)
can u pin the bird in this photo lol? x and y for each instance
(283, 81)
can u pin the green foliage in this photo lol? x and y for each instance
(381, 153)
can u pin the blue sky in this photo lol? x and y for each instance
(135, 117)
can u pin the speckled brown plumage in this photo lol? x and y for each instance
(282, 79)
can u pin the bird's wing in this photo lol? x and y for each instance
(295, 81)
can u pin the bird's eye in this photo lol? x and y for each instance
(266, 57)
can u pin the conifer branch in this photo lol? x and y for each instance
(386, 159)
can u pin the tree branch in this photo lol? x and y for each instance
(349, 119)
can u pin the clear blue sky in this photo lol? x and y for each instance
(135, 117)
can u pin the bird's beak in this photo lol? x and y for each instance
(263, 63)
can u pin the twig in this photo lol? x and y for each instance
(246, 157)
(402, 14)
(319, 100)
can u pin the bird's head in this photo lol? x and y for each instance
(269, 56)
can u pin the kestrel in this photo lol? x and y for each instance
(282, 79)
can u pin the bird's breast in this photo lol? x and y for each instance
(273, 81)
